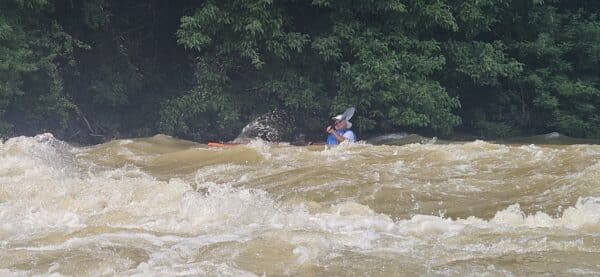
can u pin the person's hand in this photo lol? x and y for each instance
(329, 130)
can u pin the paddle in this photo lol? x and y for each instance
(348, 113)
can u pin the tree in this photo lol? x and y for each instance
(34, 52)
(314, 59)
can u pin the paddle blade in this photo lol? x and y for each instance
(348, 113)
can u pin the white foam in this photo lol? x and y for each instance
(43, 193)
(584, 215)
(189, 269)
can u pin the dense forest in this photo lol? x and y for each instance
(92, 70)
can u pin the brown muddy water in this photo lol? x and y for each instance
(162, 206)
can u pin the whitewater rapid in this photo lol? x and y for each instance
(163, 206)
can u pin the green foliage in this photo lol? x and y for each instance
(484, 63)
(202, 70)
(489, 129)
(267, 56)
(478, 16)
(243, 48)
(34, 50)
(181, 115)
(539, 74)
(94, 13)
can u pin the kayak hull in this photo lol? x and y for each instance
(221, 144)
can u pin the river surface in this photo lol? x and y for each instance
(163, 206)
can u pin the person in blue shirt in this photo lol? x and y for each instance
(340, 132)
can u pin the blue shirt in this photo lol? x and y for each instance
(347, 134)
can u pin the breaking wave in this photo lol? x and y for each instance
(160, 206)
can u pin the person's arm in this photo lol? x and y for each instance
(338, 137)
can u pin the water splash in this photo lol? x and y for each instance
(421, 209)
(274, 126)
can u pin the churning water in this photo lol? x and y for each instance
(162, 206)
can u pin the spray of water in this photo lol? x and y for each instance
(274, 126)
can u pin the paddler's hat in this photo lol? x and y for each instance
(338, 118)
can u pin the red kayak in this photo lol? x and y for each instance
(232, 144)
(222, 144)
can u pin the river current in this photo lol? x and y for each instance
(163, 206)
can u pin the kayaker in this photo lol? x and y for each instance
(340, 131)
